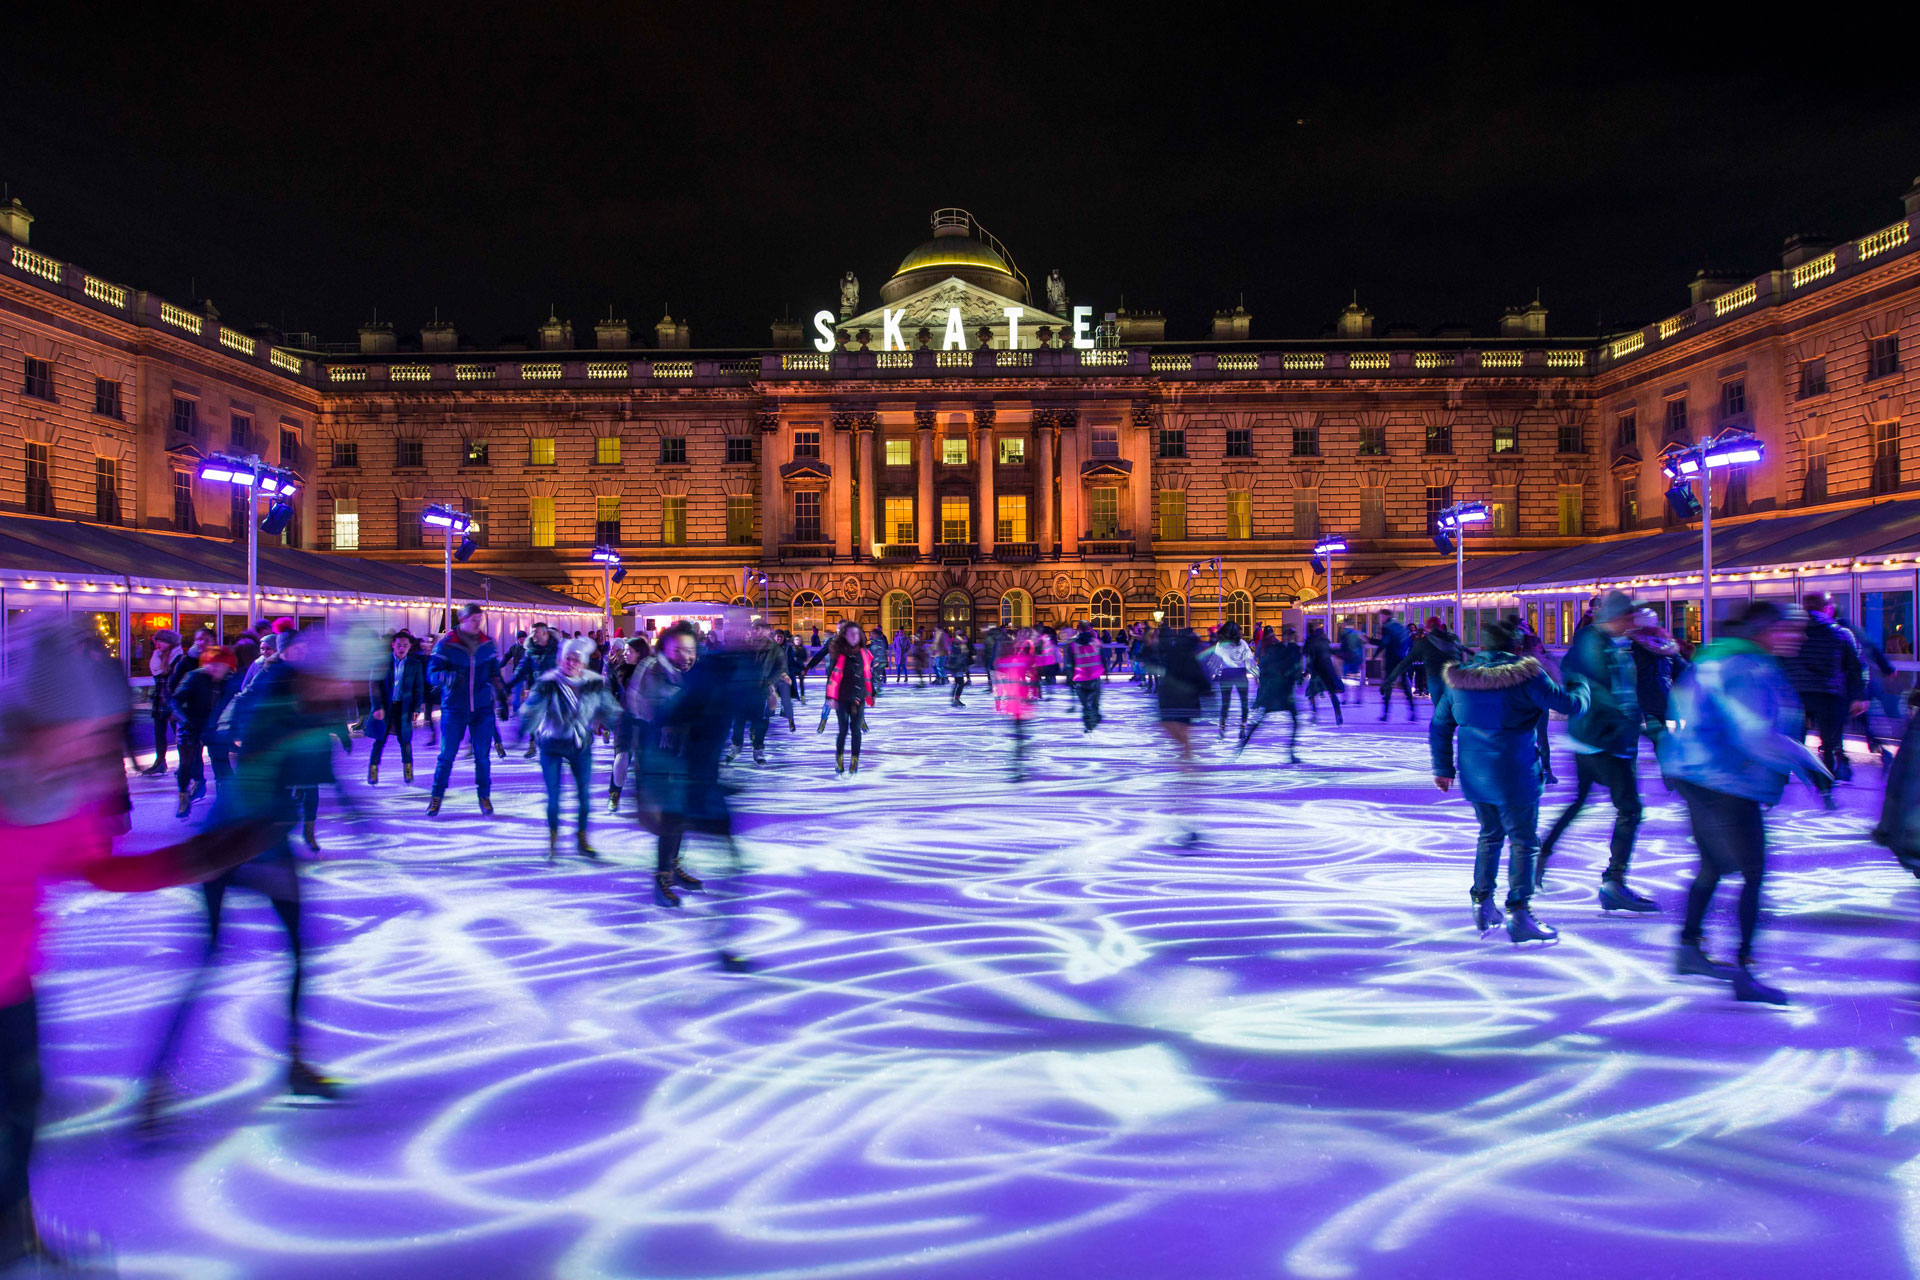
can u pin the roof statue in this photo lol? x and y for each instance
(1056, 293)
(849, 294)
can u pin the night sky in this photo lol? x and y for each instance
(303, 169)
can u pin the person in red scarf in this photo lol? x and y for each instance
(849, 690)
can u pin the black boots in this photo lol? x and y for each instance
(304, 1082)
(186, 805)
(584, 849)
(308, 834)
(1616, 896)
(1486, 916)
(663, 894)
(1749, 988)
(373, 773)
(1522, 927)
(486, 806)
(433, 806)
(1688, 958)
(686, 880)
(553, 844)
(613, 799)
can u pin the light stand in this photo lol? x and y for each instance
(1323, 553)
(254, 475)
(1736, 446)
(440, 516)
(1451, 525)
(608, 558)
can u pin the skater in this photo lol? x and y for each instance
(1281, 664)
(1014, 694)
(849, 691)
(563, 710)
(1735, 742)
(1088, 669)
(166, 646)
(1830, 681)
(466, 669)
(542, 655)
(959, 664)
(397, 691)
(1493, 703)
(1317, 656)
(769, 670)
(199, 698)
(650, 695)
(1231, 660)
(1434, 649)
(1181, 686)
(1394, 644)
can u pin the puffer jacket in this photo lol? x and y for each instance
(536, 661)
(563, 712)
(1495, 703)
(1611, 722)
(1828, 662)
(466, 672)
(1737, 725)
(1656, 665)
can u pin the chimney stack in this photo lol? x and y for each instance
(15, 220)
(672, 335)
(1233, 326)
(612, 335)
(1708, 283)
(439, 336)
(786, 333)
(1529, 321)
(376, 337)
(1355, 322)
(556, 334)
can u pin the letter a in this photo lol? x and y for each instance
(956, 339)
(890, 339)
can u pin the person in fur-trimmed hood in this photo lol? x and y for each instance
(1494, 703)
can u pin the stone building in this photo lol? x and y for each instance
(963, 450)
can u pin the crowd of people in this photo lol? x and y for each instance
(671, 711)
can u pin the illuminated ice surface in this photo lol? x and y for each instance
(1004, 1033)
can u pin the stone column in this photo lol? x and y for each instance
(773, 505)
(984, 525)
(869, 501)
(842, 486)
(923, 423)
(1140, 450)
(1070, 518)
(1043, 430)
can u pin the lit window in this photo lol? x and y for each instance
(899, 611)
(1373, 440)
(1506, 437)
(1572, 525)
(1240, 610)
(899, 452)
(1306, 514)
(540, 452)
(953, 451)
(1011, 524)
(955, 520)
(739, 519)
(476, 454)
(899, 528)
(673, 451)
(1013, 451)
(673, 520)
(1240, 513)
(540, 515)
(1173, 515)
(1103, 508)
(1104, 610)
(606, 451)
(1174, 606)
(1440, 436)
(1016, 609)
(346, 524)
(606, 519)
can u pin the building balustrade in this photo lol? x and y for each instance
(1121, 546)
(900, 551)
(806, 551)
(1015, 551)
(956, 552)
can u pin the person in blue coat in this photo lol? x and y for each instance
(1493, 704)
(466, 667)
(1394, 642)
(396, 692)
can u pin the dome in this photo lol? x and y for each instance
(958, 248)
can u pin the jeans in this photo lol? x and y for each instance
(1731, 836)
(1088, 692)
(396, 722)
(192, 769)
(850, 722)
(477, 724)
(1291, 710)
(162, 717)
(19, 1104)
(1618, 776)
(757, 722)
(1386, 694)
(939, 668)
(1515, 823)
(1828, 712)
(1228, 684)
(578, 759)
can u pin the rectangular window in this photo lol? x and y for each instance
(673, 449)
(38, 381)
(1440, 436)
(1373, 441)
(953, 451)
(289, 446)
(1103, 506)
(806, 514)
(540, 451)
(346, 524)
(1439, 498)
(346, 453)
(1239, 442)
(1106, 442)
(475, 455)
(740, 519)
(1173, 442)
(240, 509)
(1677, 416)
(1629, 503)
(1887, 618)
(407, 532)
(39, 478)
(1626, 431)
(183, 518)
(1572, 437)
(540, 519)
(1813, 377)
(739, 448)
(1239, 514)
(106, 397)
(1012, 523)
(1733, 398)
(410, 453)
(1306, 441)
(1013, 453)
(106, 491)
(1306, 513)
(186, 417)
(606, 451)
(606, 520)
(1502, 525)
(1173, 515)
(1506, 437)
(240, 434)
(1373, 513)
(673, 521)
(900, 521)
(806, 443)
(1885, 356)
(899, 452)
(1572, 522)
(1813, 487)
(1886, 456)
(1730, 492)
(956, 520)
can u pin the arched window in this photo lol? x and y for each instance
(808, 612)
(1240, 610)
(1016, 609)
(896, 612)
(1105, 611)
(956, 611)
(1174, 606)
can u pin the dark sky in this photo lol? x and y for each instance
(303, 168)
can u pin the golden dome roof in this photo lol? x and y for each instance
(952, 251)
(960, 247)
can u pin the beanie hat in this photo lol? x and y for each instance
(1614, 604)
(217, 653)
(283, 625)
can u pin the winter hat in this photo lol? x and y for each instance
(169, 638)
(282, 626)
(579, 647)
(217, 653)
(269, 643)
(1614, 604)
(1433, 623)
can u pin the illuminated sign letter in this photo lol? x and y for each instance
(823, 321)
(1013, 325)
(1082, 340)
(956, 338)
(890, 339)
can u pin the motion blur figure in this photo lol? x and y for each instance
(1735, 742)
(566, 706)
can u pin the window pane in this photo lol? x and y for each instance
(1106, 442)
(1012, 523)
(953, 451)
(1104, 507)
(1173, 515)
(1240, 514)
(540, 513)
(1887, 619)
(346, 524)
(806, 444)
(740, 519)
(410, 453)
(1013, 451)
(606, 518)
(540, 452)
(673, 520)
(673, 450)
(476, 454)
(955, 519)
(739, 448)
(806, 516)
(606, 451)
(900, 521)
(899, 453)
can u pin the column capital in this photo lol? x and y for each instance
(869, 421)
(1144, 412)
(766, 420)
(846, 419)
(925, 419)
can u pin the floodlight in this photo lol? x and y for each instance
(279, 516)
(464, 552)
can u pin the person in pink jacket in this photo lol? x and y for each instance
(1014, 674)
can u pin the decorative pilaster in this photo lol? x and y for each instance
(1044, 431)
(1070, 489)
(842, 486)
(868, 427)
(923, 424)
(986, 524)
(1141, 451)
(773, 495)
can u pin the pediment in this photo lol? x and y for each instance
(979, 308)
(806, 469)
(1106, 469)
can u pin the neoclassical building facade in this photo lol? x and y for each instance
(962, 450)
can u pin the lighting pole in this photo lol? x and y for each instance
(1324, 551)
(254, 475)
(440, 516)
(1736, 446)
(1450, 535)
(610, 572)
